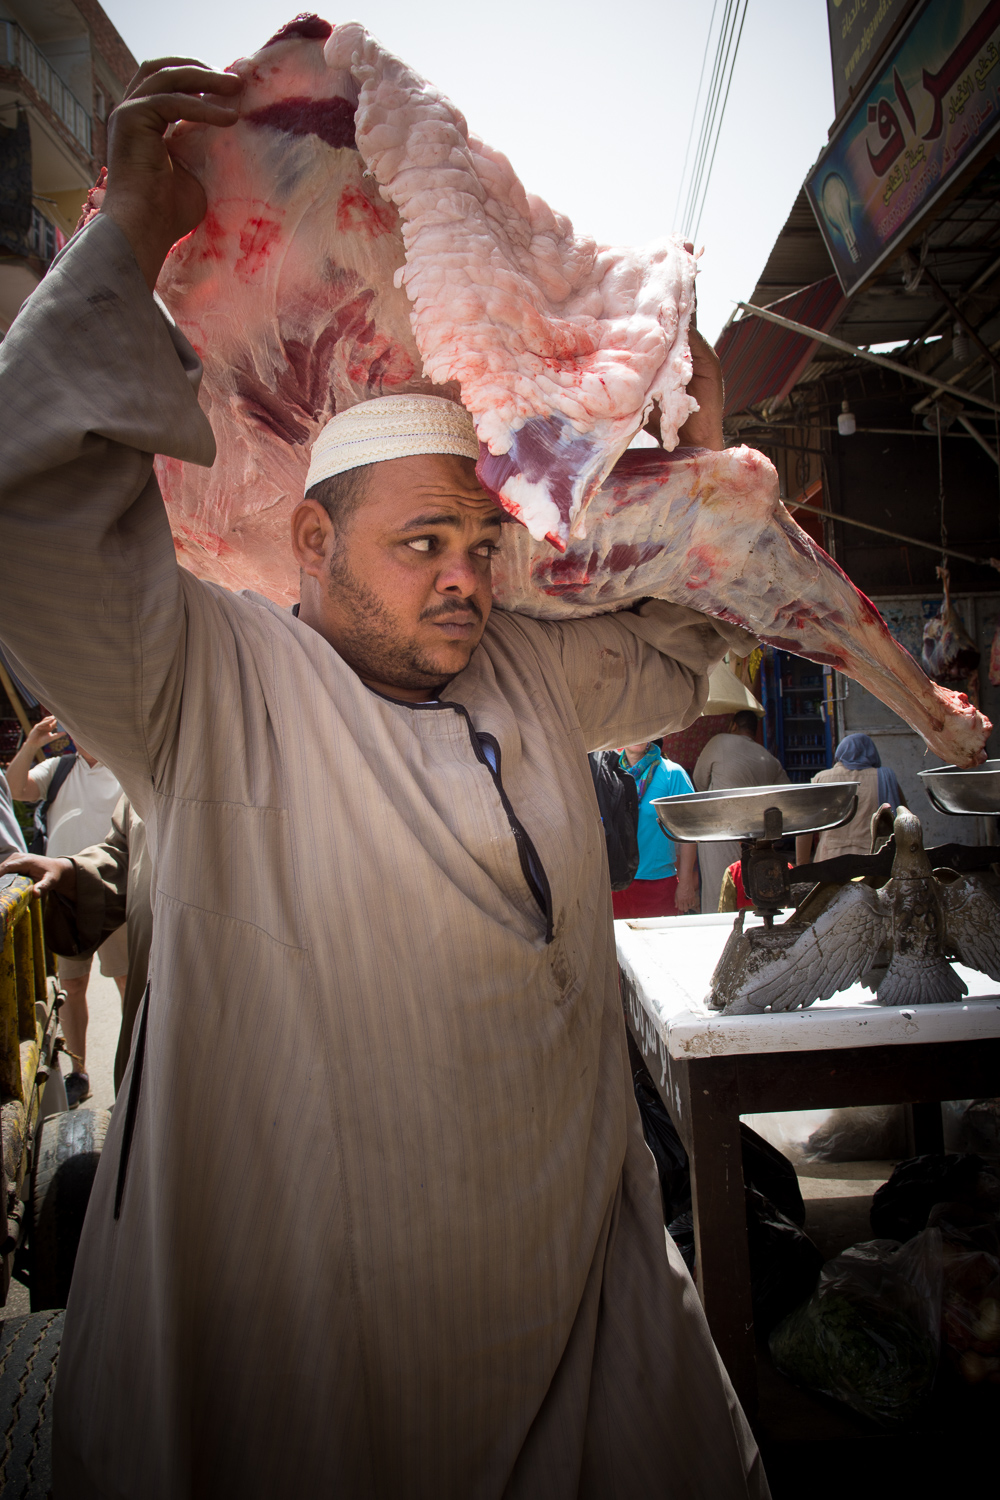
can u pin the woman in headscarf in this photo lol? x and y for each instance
(857, 760)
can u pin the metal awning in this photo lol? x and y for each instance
(762, 362)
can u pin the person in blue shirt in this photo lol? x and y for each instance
(666, 881)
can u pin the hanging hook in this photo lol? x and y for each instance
(943, 570)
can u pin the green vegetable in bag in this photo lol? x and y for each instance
(867, 1335)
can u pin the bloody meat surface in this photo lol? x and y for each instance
(360, 242)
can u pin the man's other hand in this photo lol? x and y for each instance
(19, 776)
(686, 896)
(44, 732)
(703, 429)
(152, 198)
(50, 876)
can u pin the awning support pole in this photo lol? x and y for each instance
(875, 359)
(960, 318)
(978, 436)
(17, 706)
(898, 536)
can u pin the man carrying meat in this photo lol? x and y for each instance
(375, 1216)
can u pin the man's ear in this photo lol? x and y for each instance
(312, 538)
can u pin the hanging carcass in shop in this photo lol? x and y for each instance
(950, 655)
(358, 242)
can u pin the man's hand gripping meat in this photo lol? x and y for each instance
(152, 198)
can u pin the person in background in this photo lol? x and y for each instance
(80, 815)
(730, 761)
(89, 896)
(858, 760)
(665, 884)
(11, 837)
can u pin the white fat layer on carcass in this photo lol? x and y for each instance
(531, 504)
(532, 320)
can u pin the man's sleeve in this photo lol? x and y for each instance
(73, 928)
(95, 380)
(642, 673)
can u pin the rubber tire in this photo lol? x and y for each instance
(67, 1153)
(29, 1348)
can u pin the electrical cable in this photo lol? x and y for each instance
(694, 114)
(706, 118)
(718, 133)
(944, 530)
(996, 422)
(716, 99)
(712, 118)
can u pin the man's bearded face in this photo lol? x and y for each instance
(407, 588)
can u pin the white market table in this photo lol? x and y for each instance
(710, 1069)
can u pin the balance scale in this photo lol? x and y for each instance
(758, 817)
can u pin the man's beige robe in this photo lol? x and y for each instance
(387, 1226)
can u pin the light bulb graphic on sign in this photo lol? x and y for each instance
(837, 207)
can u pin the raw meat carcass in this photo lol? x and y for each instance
(560, 346)
(995, 659)
(949, 652)
(709, 530)
(287, 290)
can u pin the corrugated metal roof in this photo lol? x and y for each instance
(962, 246)
(761, 362)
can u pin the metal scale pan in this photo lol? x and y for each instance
(712, 817)
(968, 794)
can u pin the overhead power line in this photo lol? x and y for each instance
(675, 220)
(697, 171)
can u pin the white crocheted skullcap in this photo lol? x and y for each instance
(391, 427)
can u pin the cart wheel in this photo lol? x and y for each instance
(29, 1348)
(67, 1152)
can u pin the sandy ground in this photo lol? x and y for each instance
(102, 1039)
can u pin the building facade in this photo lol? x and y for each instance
(63, 68)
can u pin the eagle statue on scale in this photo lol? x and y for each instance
(896, 940)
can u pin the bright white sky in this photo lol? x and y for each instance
(590, 101)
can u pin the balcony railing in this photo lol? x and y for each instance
(42, 236)
(17, 51)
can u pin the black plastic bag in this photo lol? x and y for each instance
(772, 1175)
(681, 1231)
(764, 1168)
(666, 1146)
(618, 800)
(901, 1205)
(784, 1262)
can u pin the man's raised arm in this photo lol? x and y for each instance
(643, 672)
(94, 381)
